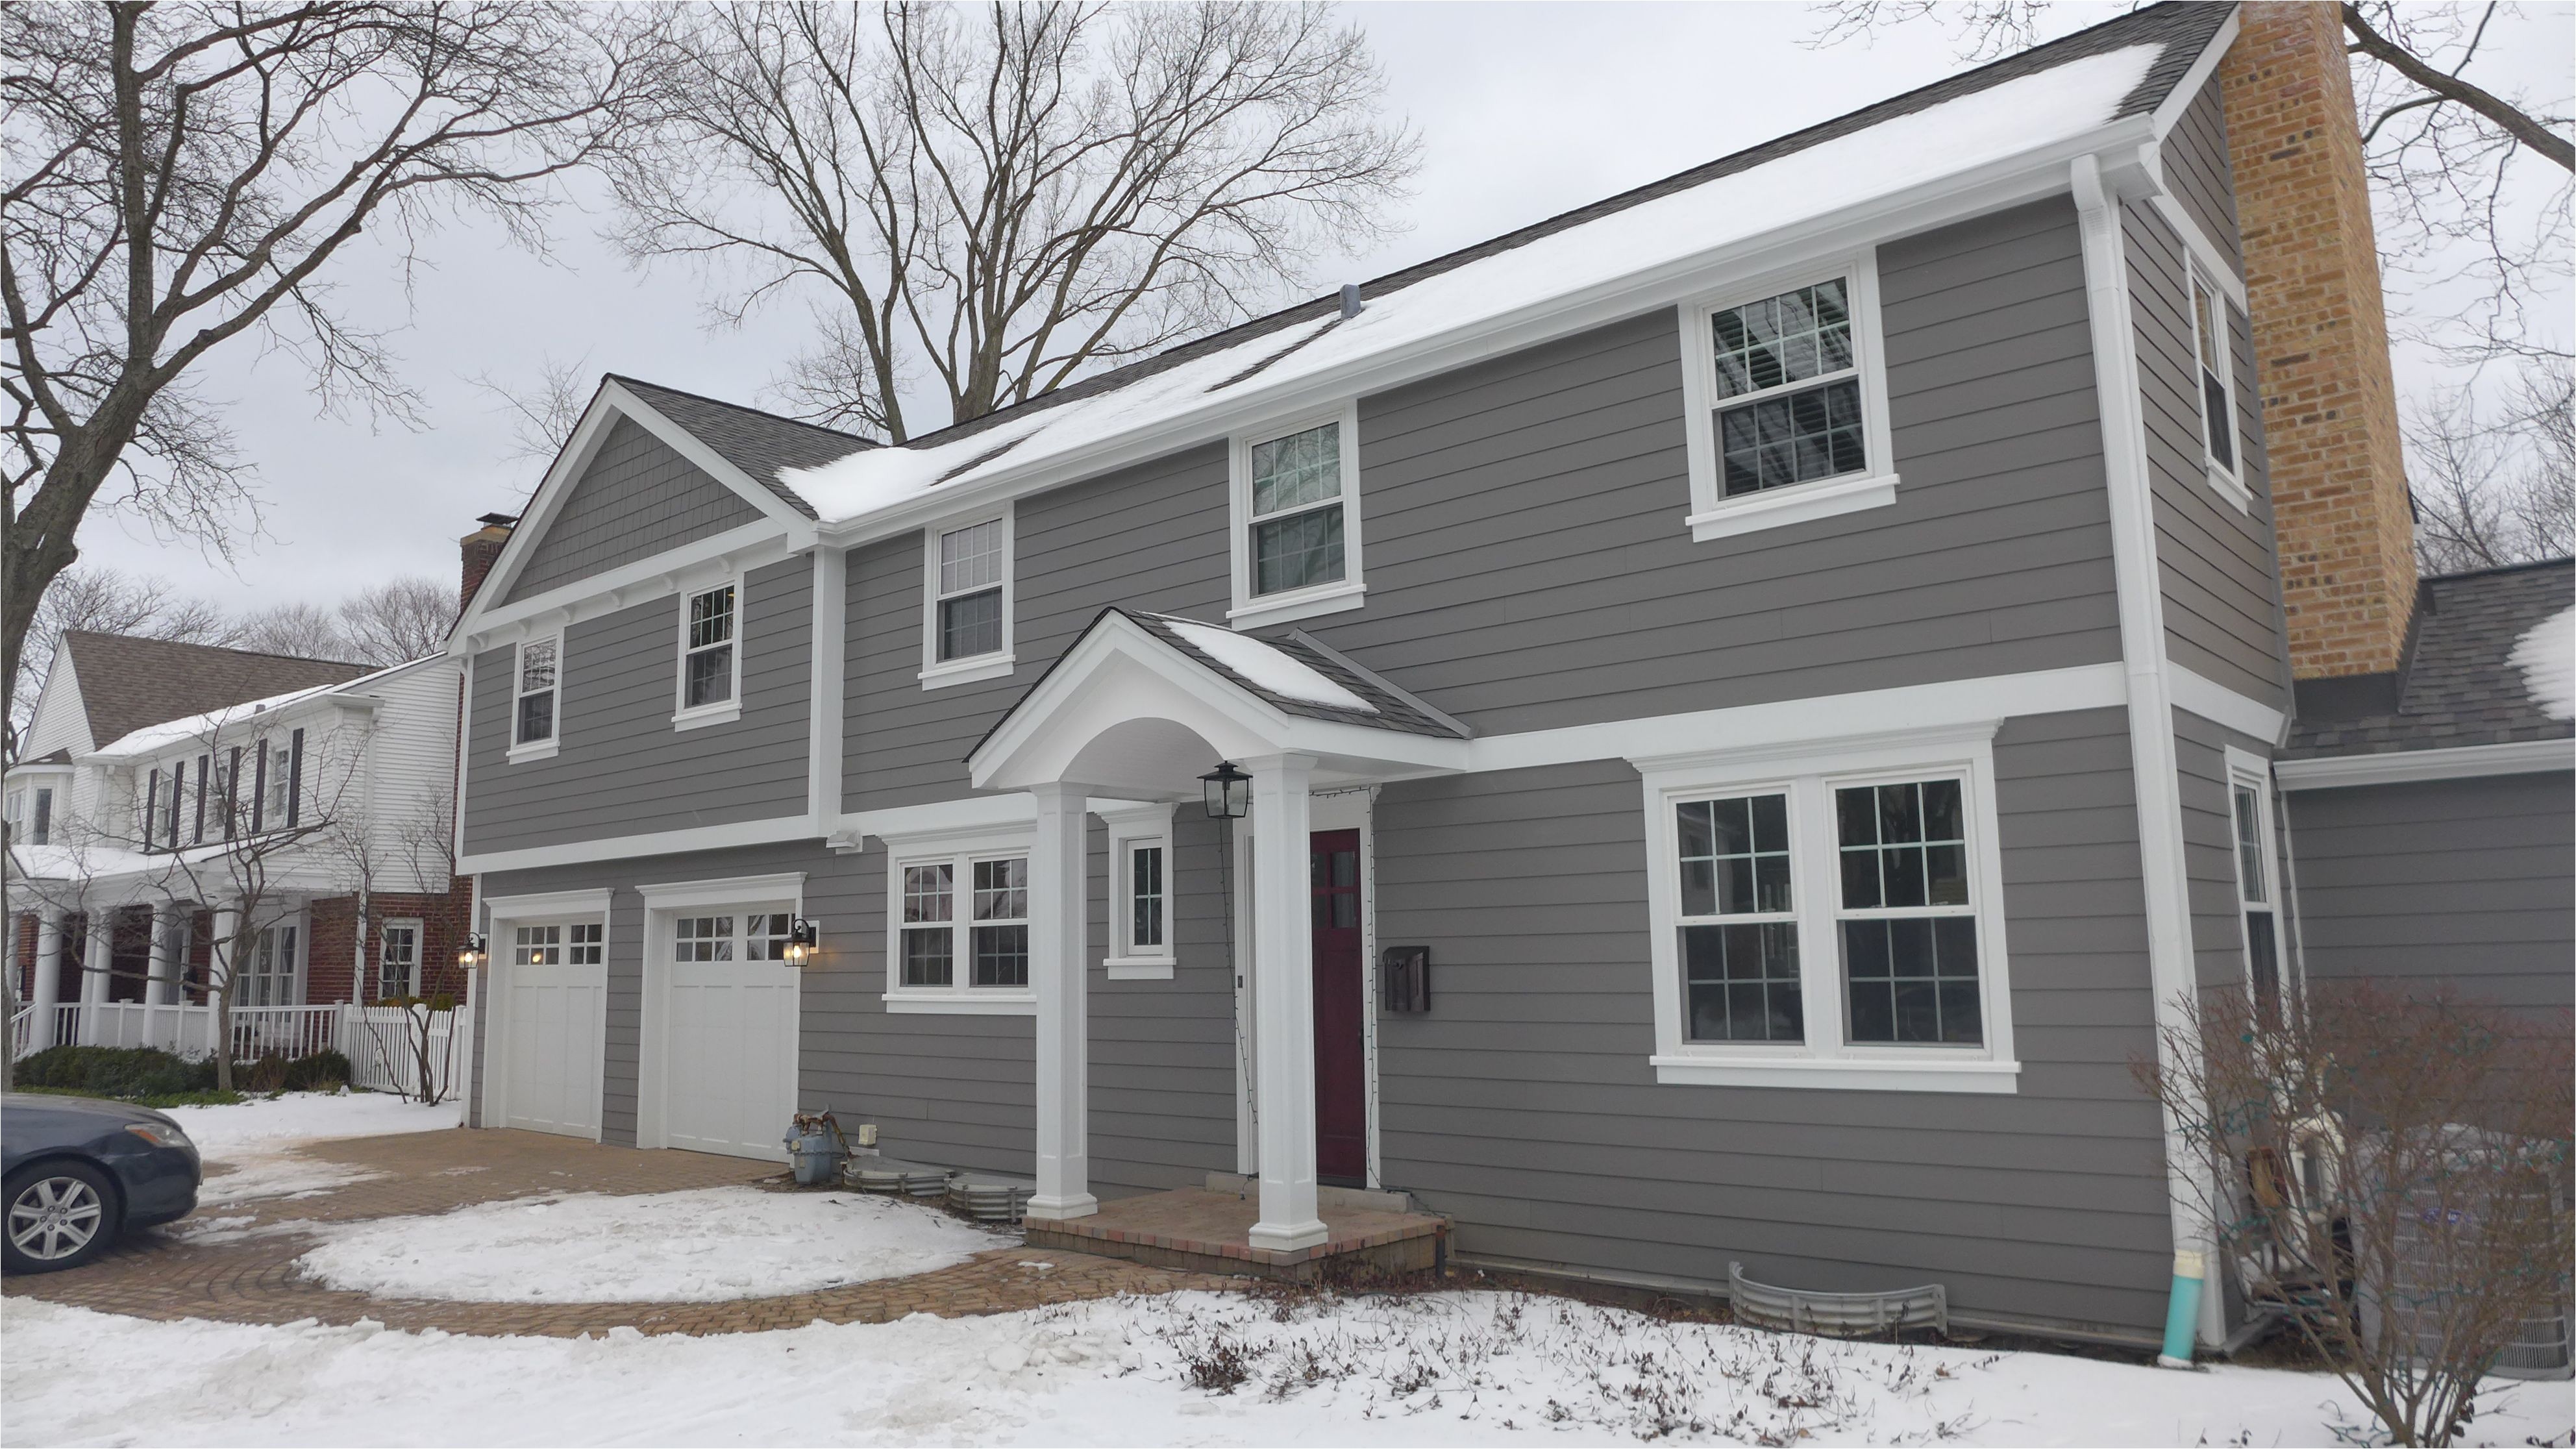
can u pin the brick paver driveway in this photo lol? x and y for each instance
(250, 1277)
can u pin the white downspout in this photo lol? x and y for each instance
(2154, 764)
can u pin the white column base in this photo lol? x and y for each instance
(1287, 1237)
(1058, 1209)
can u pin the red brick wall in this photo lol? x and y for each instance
(334, 922)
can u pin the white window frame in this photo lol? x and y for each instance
(960, 997)
(2225, 480)
(937, 673)
(1713, 515)
(2252, 771)
(521, 751)
(685, 716)
(1809, 772)
(419, 953)
(1350, 591)
(1128, 829)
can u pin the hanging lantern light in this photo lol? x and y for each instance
(1229, 792)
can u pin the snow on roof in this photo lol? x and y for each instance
(1267, 667)
(204, 726)
(2546, 655)
(1957, 135)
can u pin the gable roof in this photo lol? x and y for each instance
(1386, 706)
(128, 682)
(2460, 684)
(763, 445)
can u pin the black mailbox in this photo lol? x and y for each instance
(1408, 978)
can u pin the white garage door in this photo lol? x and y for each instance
(554, 1000)
(730, 1084)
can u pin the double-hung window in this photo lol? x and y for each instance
(2249, 800)
(1297, 519)
(966, 608)
(2217, 389)
(710, 683)
(1787, 402)
(959, 927)
(1830, 918)
(1140, 885)
(535, 690)
(398, 960)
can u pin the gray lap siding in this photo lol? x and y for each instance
(638, 498)
(1524, 1105)
(621, 768)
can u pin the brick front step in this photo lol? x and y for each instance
(1210, 1232)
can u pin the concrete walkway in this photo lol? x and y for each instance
(246, 1273)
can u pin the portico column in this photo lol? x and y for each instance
(160, 984)
(49, 978)
(219, 963)
(98, 958)
(1058, 932)
(1283, 989)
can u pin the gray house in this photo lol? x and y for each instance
(1785, 657)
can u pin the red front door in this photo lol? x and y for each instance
(1341, 1058)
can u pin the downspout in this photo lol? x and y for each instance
(2191, 1314)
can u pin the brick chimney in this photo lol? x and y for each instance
(482, 549)
(2338, 474)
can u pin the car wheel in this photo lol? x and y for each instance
(59, 1215)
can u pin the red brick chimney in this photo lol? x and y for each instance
(482, 549)
(2338, 474)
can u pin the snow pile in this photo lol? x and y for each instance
(2547, 658)
(1266, 667)
(1465, 1368)
(1956, 136)
(703, 1246)
(248, 1146)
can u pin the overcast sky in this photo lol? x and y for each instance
(1525, 110)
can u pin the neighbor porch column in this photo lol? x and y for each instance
(1283, 989)
(47, 989)
(162, 982)
(98, 959)
(219, 969)
(1059, 921)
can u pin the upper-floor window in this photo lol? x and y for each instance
(2217, 388)
(282, 785)
(535, 690)
(2249, 810)
(1787, 399)
(13, 809)
(710, 656)
(1297, 519)
(966, 604)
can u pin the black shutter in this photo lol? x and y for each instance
(204, 763)
(151, 809)
(259, 786)
(295, 777)
(232, 794)
(178, 797)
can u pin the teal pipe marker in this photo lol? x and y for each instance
(2182, 1312)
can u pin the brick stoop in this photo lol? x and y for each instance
(1210, 1232)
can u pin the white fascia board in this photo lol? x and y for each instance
(548, 903)
(2221, 705)
(728, 891)
(2463, 762)
(567, 469)
(965, 815)
(734, 551)
(1994, 187)
(621, 847)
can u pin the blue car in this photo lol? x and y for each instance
(80, 1171)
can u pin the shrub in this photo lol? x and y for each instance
(117, 1071)
(323, 1071)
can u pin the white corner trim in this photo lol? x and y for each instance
(2220, 705)
(1988, 1077)
(968, 671)
(1803, 503)
(548, 903)
(1138, 968)
(1305, 604)
(2402, 767)
(827, 700)
(707, 714)
(993, 1003)
(662, 842)
(729, 891)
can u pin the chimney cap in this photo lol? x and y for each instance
(1351, 303)
(499, 520)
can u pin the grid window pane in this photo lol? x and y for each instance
(537, 666)
(1742, 982)
(2249, 845)
(764, 937)
(1145, 883)
(703, 938)
(1903, 845)
(1296, 470)
(2263, 964)
(970, 625)
(928, 957)
(711, 617)
(1796, 437)
(1734, 855)
(1913, 980)
(970, 558)
(928, 893)
(1784, 339)
(1298, 551)
(1002, 889)
(1001, 955)
(582, 944)
(711, 675)
(536, 718)
(537, 946)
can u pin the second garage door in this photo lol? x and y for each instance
(729, 1017)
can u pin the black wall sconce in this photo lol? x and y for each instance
(474, 952)
(802, 935)
(1408, 978)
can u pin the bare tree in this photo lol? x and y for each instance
(543, 411)
(183, 175)
(2497, 485)
(300, 630)
(104, 601)
(398, 620)
(2389, 1176)
(992, 200)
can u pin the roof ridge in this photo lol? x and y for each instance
(633, 381)
(2491, 569)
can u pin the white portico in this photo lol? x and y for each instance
(1139, 708)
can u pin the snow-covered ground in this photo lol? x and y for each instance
(703, 1246)
(246, 1145)
(1437, 1369)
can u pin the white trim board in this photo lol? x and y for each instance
(549, 903)
(2402, 767)
(2221, 705)
(662, 842)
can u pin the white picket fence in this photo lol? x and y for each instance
(377, 1040)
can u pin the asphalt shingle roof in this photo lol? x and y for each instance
(1394, 709)
(128, 682)
(2460, 685)
(763, 445)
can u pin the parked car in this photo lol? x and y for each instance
(79, 1172)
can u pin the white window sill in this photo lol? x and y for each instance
(1139, 968)
(707, 714)
(966, 671)
(1304, 604)
(1803, 503)
(2224, 484)
(949, 1003)
(1842, 1074)
(534, 750)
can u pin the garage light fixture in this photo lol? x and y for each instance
(801, 937)
(473, 953)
